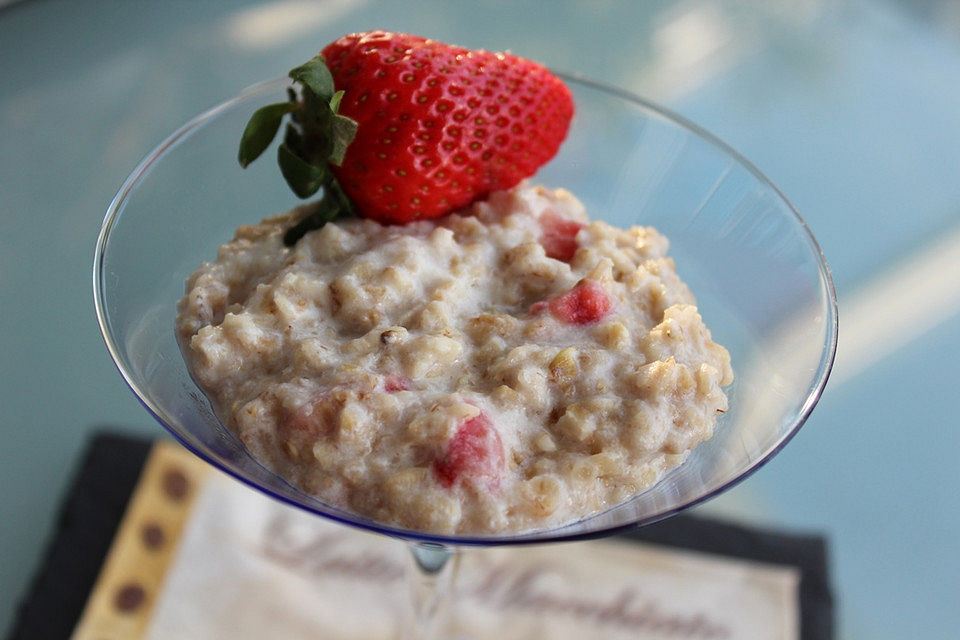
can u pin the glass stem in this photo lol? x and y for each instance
(430, 580)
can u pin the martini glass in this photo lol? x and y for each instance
(760, 279)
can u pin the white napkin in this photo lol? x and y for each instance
(250, 567)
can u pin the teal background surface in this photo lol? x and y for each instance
(852, 108)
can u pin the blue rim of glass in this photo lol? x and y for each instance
(569, 532)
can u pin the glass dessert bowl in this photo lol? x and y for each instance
(761, 283)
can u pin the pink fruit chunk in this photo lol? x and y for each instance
(393, 383)
(559, 236)
(586, 303)
(474, 454)
(311, 418)
(299, 428)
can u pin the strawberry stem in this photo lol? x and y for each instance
(316, 136)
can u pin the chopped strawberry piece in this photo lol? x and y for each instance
(300, 419)
(559, 236)
(311, 418)
(474, 453)
(539, 307)
(300, 427)
(393, 383)
(586, 303)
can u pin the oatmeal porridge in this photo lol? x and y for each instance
(515, 366)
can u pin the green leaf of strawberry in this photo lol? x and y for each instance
(315, 75)
(304, 178)
(343, 131)
(261, 130)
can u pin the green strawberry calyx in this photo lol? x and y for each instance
(316, 137)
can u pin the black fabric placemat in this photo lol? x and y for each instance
(806, 552)
(85, 528)
(111, 466)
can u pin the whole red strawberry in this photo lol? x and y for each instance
(412, 128)
(440, 126)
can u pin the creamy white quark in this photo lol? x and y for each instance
(450, 375)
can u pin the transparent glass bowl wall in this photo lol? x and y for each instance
(761, 282)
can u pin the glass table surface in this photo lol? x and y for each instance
(850, 107)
